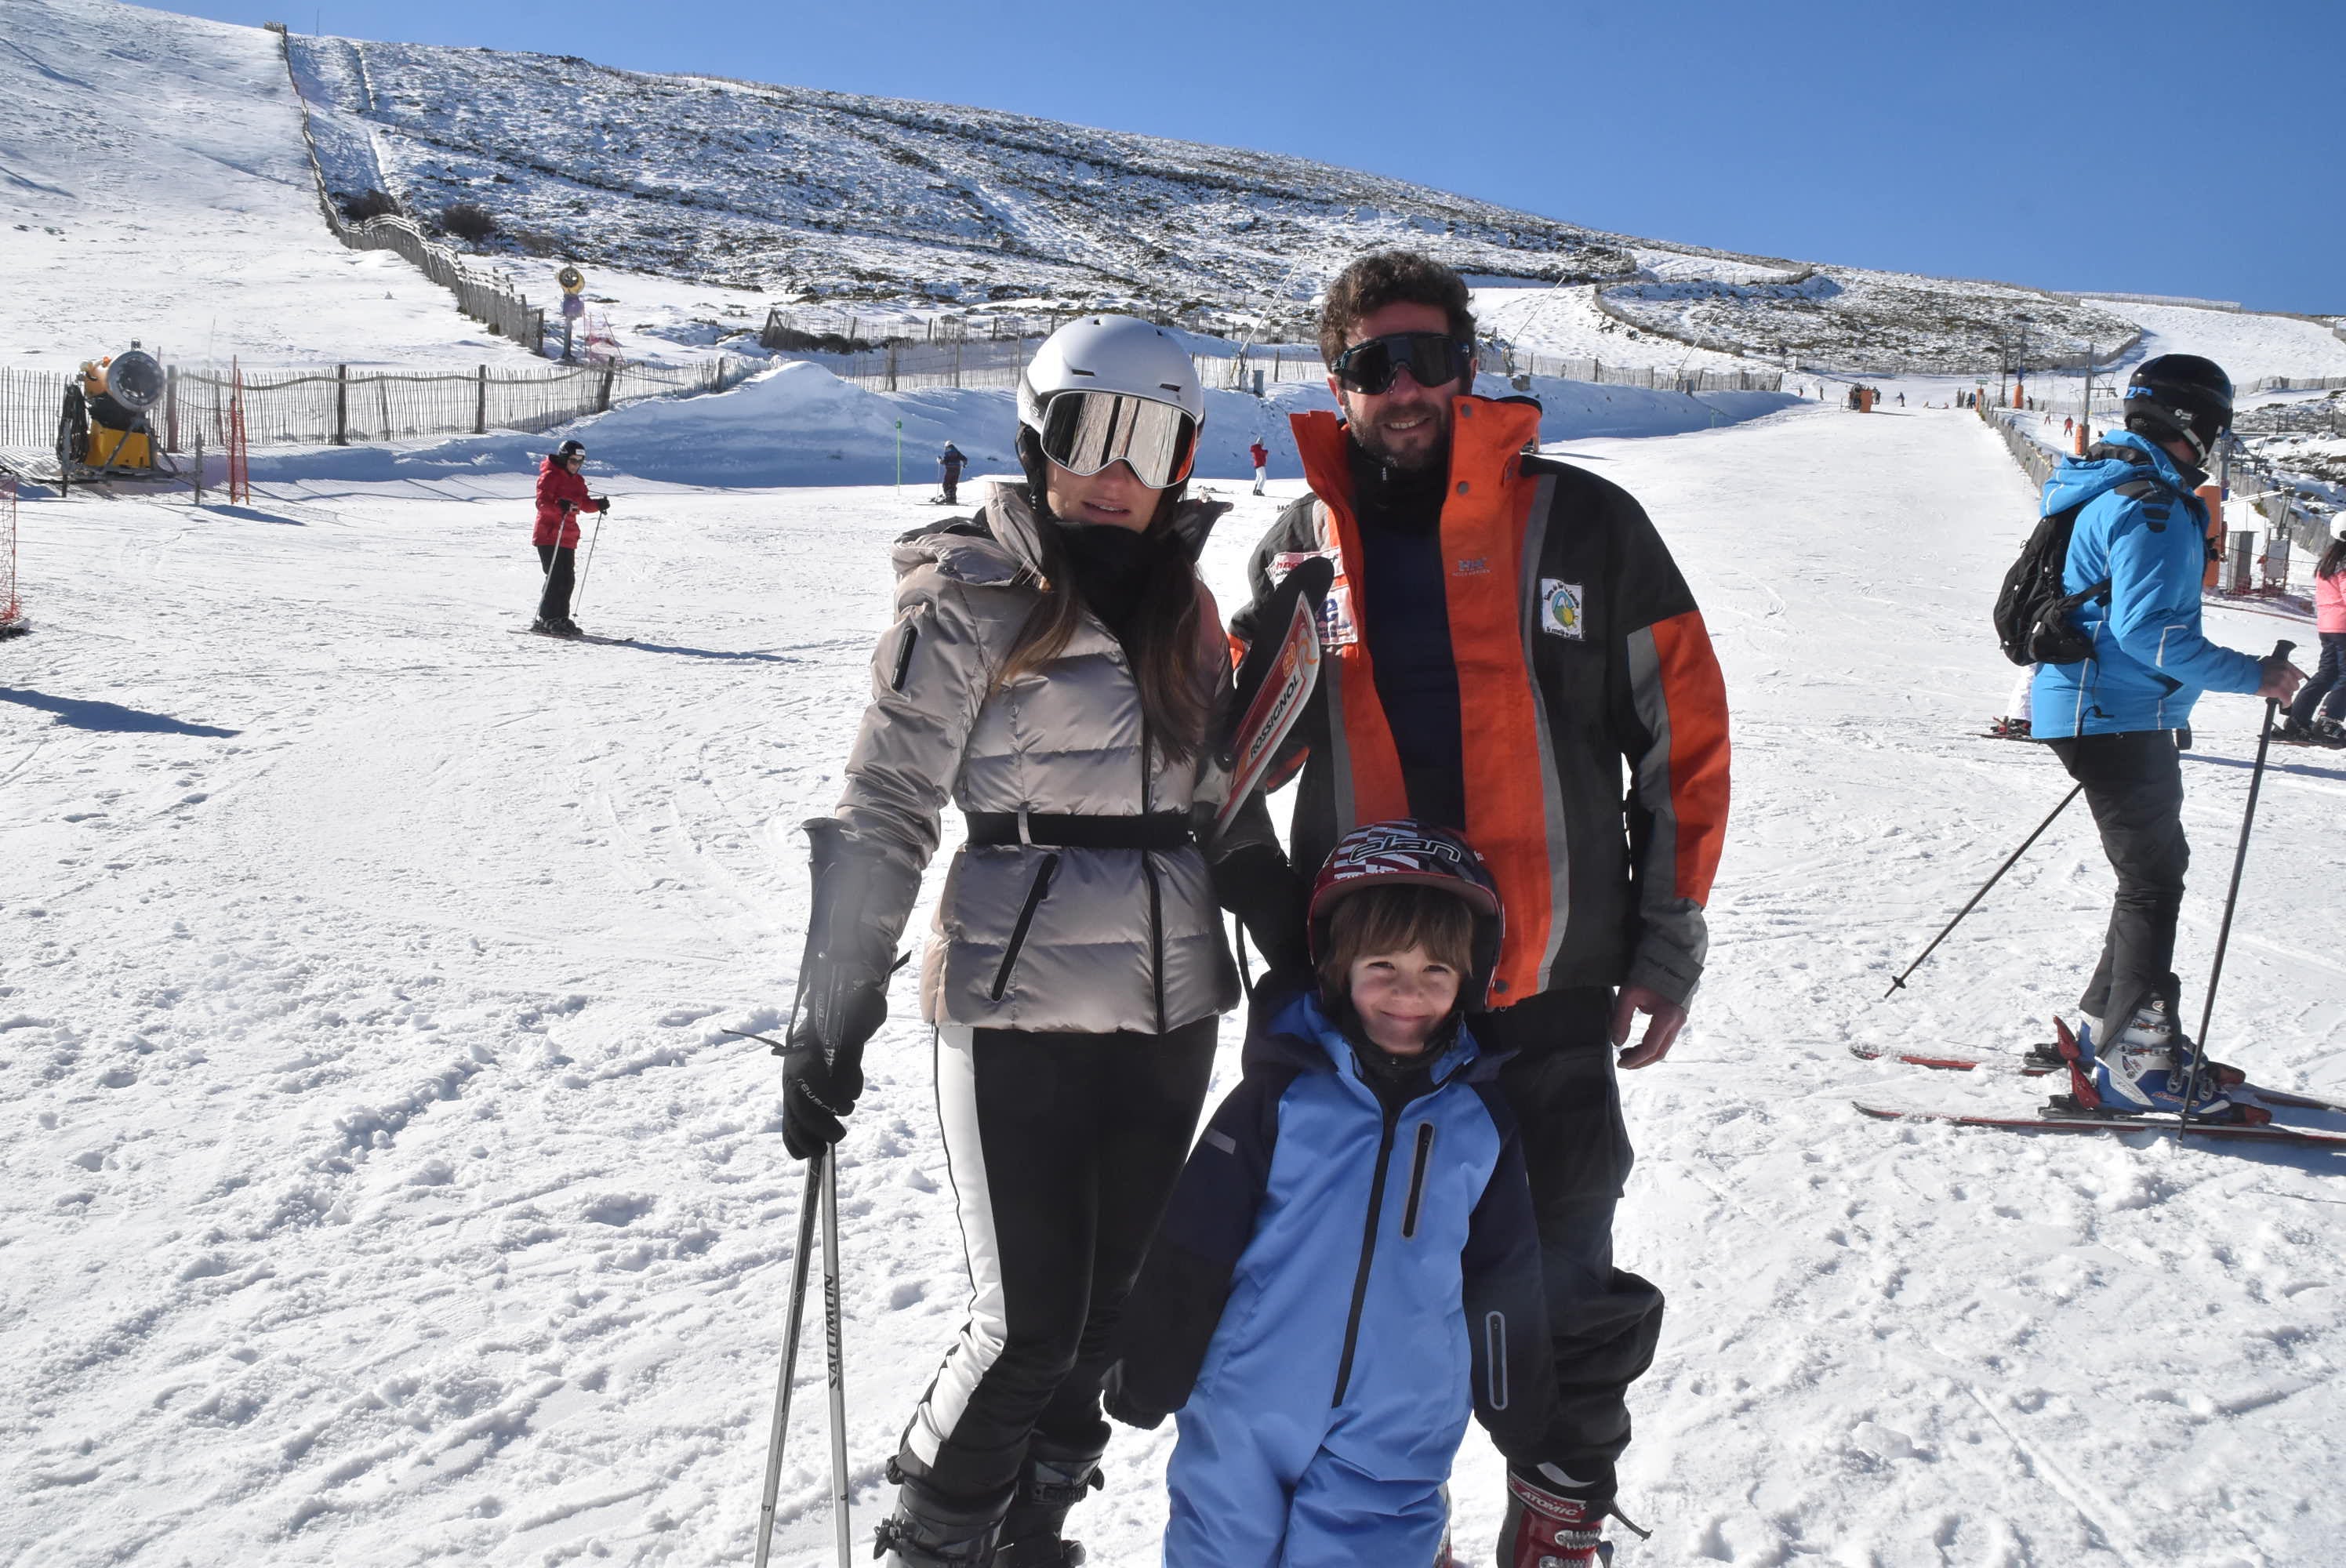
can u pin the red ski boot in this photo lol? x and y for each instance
(1545, 1528)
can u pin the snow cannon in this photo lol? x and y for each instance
(104, 424)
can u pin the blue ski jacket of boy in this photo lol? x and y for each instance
(2141, 527)
(1339, 1278)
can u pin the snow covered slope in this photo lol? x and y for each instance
(2249, 345)
(837, 193)
(382, 1192)
(1847, 318)
(153, 185)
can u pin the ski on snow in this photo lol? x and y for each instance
(581, 638)
(2041, 1060)
(2056, 1119)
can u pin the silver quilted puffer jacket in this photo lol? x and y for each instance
(1031, 935)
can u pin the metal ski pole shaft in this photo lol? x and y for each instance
(790, 1357)
(578, 598)
(831, 1314)
(1900, 983)
(2231, 896)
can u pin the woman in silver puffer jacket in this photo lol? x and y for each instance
(1052, 672)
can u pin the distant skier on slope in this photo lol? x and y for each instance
(2112, 717)
(561, 497)
(2326, 692)
(950, 463)
(1261, 456)
(1507, 638)
(1368, 1142)
(1053, 670)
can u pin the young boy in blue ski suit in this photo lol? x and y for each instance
(1350, 1262)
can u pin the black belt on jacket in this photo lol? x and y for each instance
(1158, 830)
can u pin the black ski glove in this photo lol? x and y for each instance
(1311, 578)
(821, 1083)
(842, 996)
(1122, 1406)
(1255, 882)
(602, 503)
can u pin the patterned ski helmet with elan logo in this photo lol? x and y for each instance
(1406, 853)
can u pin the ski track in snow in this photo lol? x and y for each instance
(384, 1191)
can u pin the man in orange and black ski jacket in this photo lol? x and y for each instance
(1509, 649)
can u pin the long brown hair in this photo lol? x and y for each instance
(1170, 662)
(2333, 560)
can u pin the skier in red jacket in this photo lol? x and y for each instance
(561, 497)
(1261, 457)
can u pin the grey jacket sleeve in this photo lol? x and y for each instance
(929, 674)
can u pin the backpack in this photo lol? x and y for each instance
(2032, 613)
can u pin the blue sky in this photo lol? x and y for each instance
(2150, 147)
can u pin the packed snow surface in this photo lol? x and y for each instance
(382, 1189)
(154, 185)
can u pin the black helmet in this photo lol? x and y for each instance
(2180, 397)
(571, 449)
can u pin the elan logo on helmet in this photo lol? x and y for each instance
(1387, 849)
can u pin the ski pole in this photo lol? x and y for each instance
(815, 1168)
(1900, 983)
(579, 598)
(831, 1316)
(2232, 895)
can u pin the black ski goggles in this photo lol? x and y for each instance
(1434, 358)
(1083, 431)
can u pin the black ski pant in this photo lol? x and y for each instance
(1603, 1320)
(2134, 783)
(2328, 680)
(952, 483)
(556, 562)
(1063, 1149)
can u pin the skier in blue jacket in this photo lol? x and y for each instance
(1350, 1262)
(2138, 547)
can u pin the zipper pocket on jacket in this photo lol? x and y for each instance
(1035, 891)
(1155, 899)
(905, 655)
(1368, 1255)
(1417, 1180)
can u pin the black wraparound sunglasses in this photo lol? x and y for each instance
(1434, 358)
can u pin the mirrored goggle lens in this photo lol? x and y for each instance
(1434, 359)
(1083, 431)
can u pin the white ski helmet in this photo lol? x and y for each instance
(1104, 389)
(2338, 528)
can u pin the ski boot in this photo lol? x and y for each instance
(2146, 1067)
(2293, 729)
(1549, 1524)
(932, 1532)
(2008, 729)
(2329, 732)
(1055, 1477)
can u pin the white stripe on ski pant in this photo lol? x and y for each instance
(982, 1337)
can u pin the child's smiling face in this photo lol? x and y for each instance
(1401, 998)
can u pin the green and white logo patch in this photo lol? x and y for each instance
(1560, 612)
